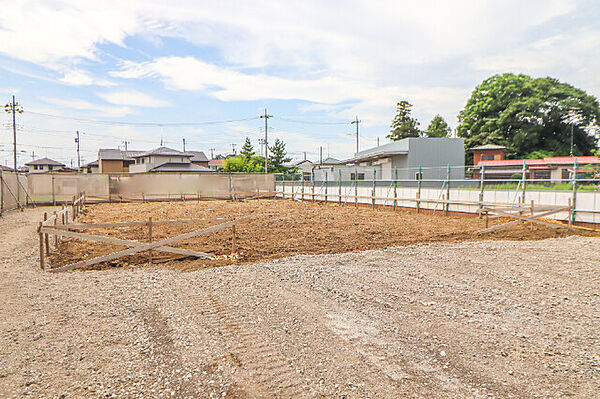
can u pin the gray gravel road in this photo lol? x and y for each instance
(499, 319)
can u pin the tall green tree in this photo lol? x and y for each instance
(278, 158)
(247, 150)
(527, 115)
(437, 127)
(403, 125)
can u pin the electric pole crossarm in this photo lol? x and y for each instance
(356, 121)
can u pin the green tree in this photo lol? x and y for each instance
(243, 164)
(278, 158)
(247, 150)
(403, 125)
(437, 127)
(527, 115)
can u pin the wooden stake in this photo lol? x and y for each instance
(570, 214)
(150, 238)
(487, 219)
(532, 213)
(46, 236)
(42, 262)
(55, 224)
(233, 240)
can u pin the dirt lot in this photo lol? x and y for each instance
(468, 319)
(276, 229)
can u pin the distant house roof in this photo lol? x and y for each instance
(179, 167)
(537, 163)
(6, 168)
(113, 154)
(489, 147)
(164, 151)
(45, 161)
(90, 164)
(303, 161)
(216, 162)
(331, 161)
(199, 156)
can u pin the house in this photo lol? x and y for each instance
(488, 152)
(216, 164)
(199, 158)
(5, 169)
(400, 160)
(44, 165)
(305, 168)
(115, 161)
(164, 159)
(549, 168)
(91, 167)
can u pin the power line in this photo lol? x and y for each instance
(154, 124)
(311, 122)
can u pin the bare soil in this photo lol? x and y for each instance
(439, 320)
(276, 229)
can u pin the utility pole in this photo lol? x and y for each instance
(212, 153)
(125, 143)
(321, 155)
(233, 148)
(571, 139)
(183, 145)
(78, 156)
(357, 122)
(266, 116)
(32, 156)
(14, 107)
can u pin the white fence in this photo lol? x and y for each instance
(458, 199)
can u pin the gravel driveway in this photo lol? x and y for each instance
(500, 319)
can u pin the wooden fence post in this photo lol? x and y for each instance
(46, 236)
(448, 190)
(53, 192)
(150, 238)
(532, 210)
(570, 212)
(233, 240)
(42, 262)
(55, 224)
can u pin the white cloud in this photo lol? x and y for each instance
(82, 105)
(79, 77)
(133, 98)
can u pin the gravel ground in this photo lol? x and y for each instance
(469, 319)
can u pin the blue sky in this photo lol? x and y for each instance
(314, 65)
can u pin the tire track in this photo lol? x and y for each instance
(260, 368)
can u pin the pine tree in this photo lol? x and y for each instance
(277, 158)
(403, 125)
(247, 149)
(438, 128)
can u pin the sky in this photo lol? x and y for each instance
(148, 71)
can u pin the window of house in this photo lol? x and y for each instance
(306, 176)
(418, 175)
(49, 167)
(35, 167)
(487, 157)
(142, 159)
(361, 176)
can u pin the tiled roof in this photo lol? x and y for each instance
(45, 161)
(489, 147)
(164, 151)
(199, 156)
(216, 162)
